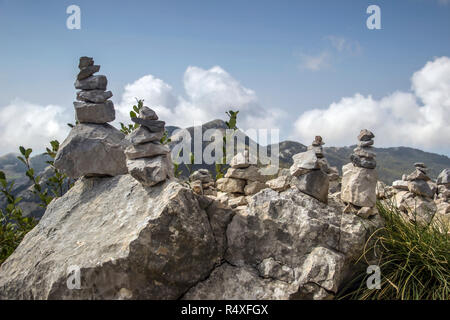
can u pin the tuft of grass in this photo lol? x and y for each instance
(413, 258)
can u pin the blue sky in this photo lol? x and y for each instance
(294, 56)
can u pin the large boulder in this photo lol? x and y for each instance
(287, 246)
(92, 150)
(128, 241)
(359, 185)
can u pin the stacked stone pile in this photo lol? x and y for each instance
(242, 179)
(93, 105)
(359, 179)
(310, 171)
(419, 197)
(202, 182)
(363, 155)
(148, 160)
(93, 147)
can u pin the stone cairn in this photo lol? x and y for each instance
(419, 197)
(202, 182)
(93, 147)
(310, 171)
(93, 105)
(359, 179)
(242, 180)
(148, 160)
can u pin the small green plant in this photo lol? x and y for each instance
(127, 129)
(13, 226)
(231, 124)
(59, 182)
(413, 259)
(35, 179)
(165, 139)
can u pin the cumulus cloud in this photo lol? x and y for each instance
(208, 94)
(32, 125)
(419, 118)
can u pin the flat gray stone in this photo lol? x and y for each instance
(147, 113)
(142, 135)
(152, 125)
(365, 135)
(94, 96)
(314, 183)
(92, 83)
(420, 188)
(95, 112)
(85, 62)
(304, 162)
(151, 171)
(365, 143)
(87, 72)
(362, 162)
(146, 150)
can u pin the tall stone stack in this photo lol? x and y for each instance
(359, 179)
(242, 179)
(93, 147)
(310, 171)
(93, 105)
(148, 160)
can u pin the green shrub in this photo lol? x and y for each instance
(413, 259)
(13, 226)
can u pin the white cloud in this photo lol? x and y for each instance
(208, 94)
(315, 62)
(420, 118)
(32, 125)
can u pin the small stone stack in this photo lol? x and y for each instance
(243, 179)
(363, 155)
(148, 160)
(93, 105)
(310, 171)
(93, 147)
(414, 194)
(202, 182)
(359, 178)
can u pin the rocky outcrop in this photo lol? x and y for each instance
(286, 245)
(131, 241)
(128, 241)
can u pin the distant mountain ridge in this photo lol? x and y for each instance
(391, 162)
